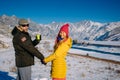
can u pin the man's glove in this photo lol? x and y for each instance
(42, 61)
(38, 37)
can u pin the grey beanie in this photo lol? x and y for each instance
(23, 22)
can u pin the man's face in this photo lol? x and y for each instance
(25, 27)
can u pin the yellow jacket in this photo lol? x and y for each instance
(59, 67)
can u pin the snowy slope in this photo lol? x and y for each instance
(79, 68)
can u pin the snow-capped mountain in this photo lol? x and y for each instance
(84, 30)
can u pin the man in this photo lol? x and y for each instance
(24, 50)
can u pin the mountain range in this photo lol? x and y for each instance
(83, 30)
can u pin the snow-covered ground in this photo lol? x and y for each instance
(79, 67)
(110, 43)
(110, 53)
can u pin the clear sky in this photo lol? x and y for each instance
(47, 11)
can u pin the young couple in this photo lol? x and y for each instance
(25, 51)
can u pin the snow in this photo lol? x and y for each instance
(79, 67)
(87, 69)
(41, 79)
(5, 38)
(109, 43)
(94, 54)
(101, 49)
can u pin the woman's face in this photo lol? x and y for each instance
(62, 34)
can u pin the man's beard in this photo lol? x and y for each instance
(25, 30)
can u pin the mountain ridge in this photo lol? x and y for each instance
(83, 30)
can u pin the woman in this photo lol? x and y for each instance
(62, 44)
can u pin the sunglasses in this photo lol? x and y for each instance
(25, 25)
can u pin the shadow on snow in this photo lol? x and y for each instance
(5, 76)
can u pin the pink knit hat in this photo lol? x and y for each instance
(65, 29)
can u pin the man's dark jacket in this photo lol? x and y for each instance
(24, 48)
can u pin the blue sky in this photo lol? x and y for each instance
(47, 11)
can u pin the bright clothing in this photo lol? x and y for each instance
(58, 58)
(58, 78)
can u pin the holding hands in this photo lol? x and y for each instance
(42, 61)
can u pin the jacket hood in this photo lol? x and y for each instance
(15, 31)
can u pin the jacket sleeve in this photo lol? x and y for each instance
(35, 42)
(28, 46)
(58, 53)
